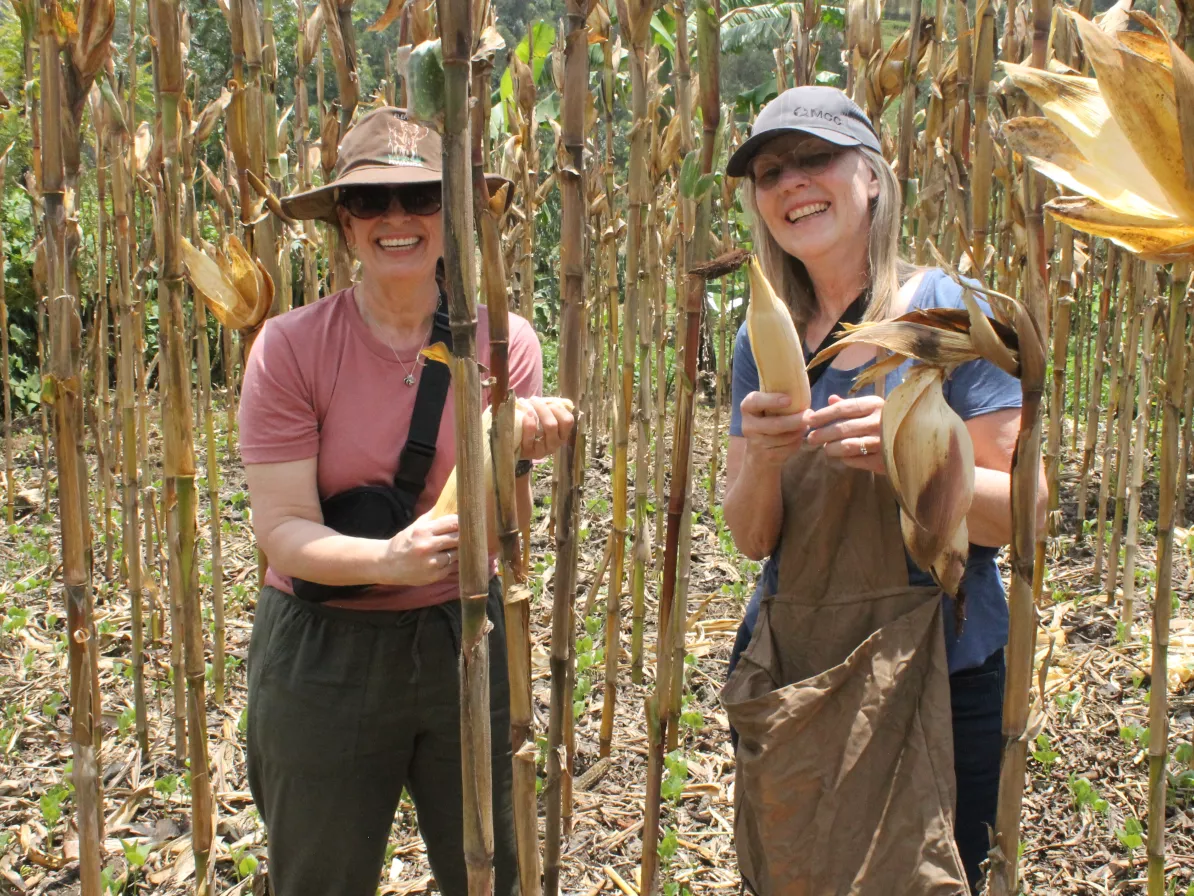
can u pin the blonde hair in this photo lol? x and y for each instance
(886, 271)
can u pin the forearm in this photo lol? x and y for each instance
(308, 550)
(754, 509)
(989, 522)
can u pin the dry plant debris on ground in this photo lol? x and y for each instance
(1084, 811)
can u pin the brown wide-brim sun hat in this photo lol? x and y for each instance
(381, 149)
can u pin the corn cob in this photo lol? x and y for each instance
(775, 343)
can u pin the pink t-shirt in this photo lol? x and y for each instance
(318, 383)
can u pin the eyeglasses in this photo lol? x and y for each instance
(367, 202)
(767, 173)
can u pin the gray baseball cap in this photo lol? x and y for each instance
(823, 112)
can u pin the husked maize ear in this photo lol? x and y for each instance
(775, 343)
(447, 502)
(447, 498)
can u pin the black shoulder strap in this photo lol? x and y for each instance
(851, 315)
(419, 451)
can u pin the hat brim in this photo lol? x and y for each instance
(739, 164)
(320, 202)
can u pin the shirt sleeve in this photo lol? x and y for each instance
(745, 378)
(277, 417)
(526, 359)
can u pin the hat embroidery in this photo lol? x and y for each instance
(404, 144)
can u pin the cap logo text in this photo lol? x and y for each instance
(806, 112)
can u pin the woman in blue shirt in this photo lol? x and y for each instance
(826, 221)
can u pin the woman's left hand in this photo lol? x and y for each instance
(850, 429)
(546, 424)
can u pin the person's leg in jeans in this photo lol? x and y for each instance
(325, 782)
(977, 699)
(435, 777)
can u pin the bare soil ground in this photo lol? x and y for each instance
(1085, 806)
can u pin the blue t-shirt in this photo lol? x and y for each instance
(974, 388)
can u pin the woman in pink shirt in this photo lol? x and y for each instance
(353, 689)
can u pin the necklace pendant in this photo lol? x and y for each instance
(409, 379)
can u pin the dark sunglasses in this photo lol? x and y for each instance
(767, 173)
(374, 201)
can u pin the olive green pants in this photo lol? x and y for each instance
(346, 708)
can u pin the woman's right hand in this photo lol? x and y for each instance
(772, 434)
(424, 552)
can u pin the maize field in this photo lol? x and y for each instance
(1045, 152)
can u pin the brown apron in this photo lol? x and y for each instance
(845, 781)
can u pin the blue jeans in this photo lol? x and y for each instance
(976, 696)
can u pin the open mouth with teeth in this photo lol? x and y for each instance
(806, 211)
(398, 243)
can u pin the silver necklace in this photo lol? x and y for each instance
(410, 372)
(409, 379)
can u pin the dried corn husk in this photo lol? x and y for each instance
(1124, 140)
(206, 123)
(234, 286)
(930, 462)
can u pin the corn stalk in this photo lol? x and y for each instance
(456, 34)
(980, 179)
(1095, 380)
(1027, 546)
(177, 425)
(1131, 543)
(65, 381)
(126, 402)
(1124, 424)
(1158, 704)
(1116, 384)
(634, 19)
(9, 485)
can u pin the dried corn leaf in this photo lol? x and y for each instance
(206, 123)
(1140, 94)
(1055, 156)
(936, 336)
(389, 17)
(1160, 243)
(93, 40)
(308, 44)
(1076, 106)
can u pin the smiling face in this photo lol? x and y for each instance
(396, 249)
(815, 198)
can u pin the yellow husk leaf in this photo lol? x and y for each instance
(1080, 111)
(243, 271)
(1056, 156)
(775, 343)
(215, 288)
(393, 11)
(1140, 94)
(1161, 243)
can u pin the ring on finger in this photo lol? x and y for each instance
(863, 450)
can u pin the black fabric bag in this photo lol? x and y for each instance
(381, 511)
